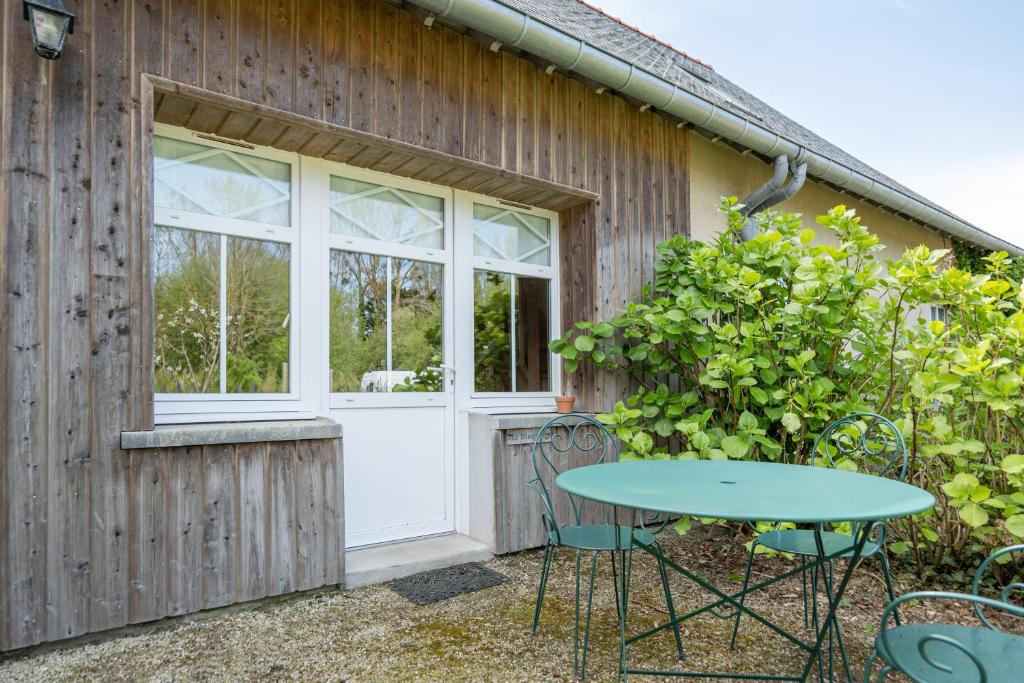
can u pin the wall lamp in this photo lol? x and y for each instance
(50, 23)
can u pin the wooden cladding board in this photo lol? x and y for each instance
(214, 525)
(76, 338)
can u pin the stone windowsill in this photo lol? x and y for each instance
(504, 421)
(209, 434)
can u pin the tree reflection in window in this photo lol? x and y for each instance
(385, 323)
(511, 331)
(202, 280)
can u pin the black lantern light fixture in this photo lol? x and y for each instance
(51, 24)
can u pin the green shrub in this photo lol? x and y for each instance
(747, 350)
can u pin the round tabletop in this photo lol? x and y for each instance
(746, 491)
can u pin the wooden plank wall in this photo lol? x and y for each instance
(75, 310)
(213, 525)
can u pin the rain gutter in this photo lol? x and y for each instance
(516, 29)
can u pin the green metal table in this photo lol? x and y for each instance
(744, 491)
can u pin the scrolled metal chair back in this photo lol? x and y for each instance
(951, 657)
(873, 443)
(1012, 593)
(565, 442)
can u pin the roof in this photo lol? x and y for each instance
(629, 44)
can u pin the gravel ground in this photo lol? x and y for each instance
(373, 634)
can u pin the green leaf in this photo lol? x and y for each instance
(642, 442)
(791, 422)
(735, 446)
(1013, 463)
(683, 525)
(973, 514)
(664, 427)
(747, 421)
(584, 343)
(961, 486)
(1015, 525)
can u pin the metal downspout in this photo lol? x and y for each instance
(758, 196)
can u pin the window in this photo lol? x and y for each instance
(286, 286)
(386, 288)
(938, 313)
(512, 300)
(223, 264)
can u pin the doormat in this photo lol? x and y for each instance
(426, 588)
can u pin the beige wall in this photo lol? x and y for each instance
(718, 171)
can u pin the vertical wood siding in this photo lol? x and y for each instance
(85, 525)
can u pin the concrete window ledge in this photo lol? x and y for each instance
(208, 434)
(504, 421)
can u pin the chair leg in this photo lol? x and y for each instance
(817, 574)
(743, 593)
(670, 605)
(615, 584)
(590, 607)
(882, 673)
(549, 550)
(576, 624)
(803, 592)
(888, 582)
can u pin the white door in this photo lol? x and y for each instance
(389, 268)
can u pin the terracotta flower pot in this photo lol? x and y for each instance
(563, 404)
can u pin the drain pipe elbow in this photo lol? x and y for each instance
(791, 188)
(752, 204)
(771, 193)
(778, 179)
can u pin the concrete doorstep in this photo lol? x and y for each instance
(381, 563)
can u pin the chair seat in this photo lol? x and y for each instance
(602, 537)
(1002, 654)
(801, 542)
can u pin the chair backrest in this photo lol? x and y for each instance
(565, 442)
(1007, 591)
(873, 443)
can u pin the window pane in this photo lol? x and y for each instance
(492, 327)
(220, 182)
(416, 318)
(383, 213)
(501, 233)
(358, 322)
(258, 316)
(186, 267)
(533, 360)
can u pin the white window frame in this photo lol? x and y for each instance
(175, 408)
(322, 170)
(310, 241)
(465, 267)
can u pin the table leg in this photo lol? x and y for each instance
(622, 591)
(833, 597)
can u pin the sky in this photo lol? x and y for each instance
(930, 92)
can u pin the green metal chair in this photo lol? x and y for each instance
(955, 653)
(564, 442)
(876, 446)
